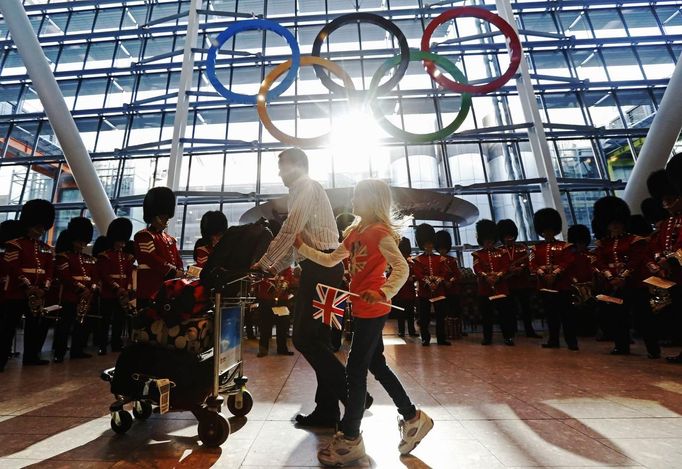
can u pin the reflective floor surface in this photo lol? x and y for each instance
(494, 407)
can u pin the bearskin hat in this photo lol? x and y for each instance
(100, 245)
(443, 241)
(10, 229)
(120, 229)
(63, 243)
(405, 247)
(486, 230)
(547, 219)
(660, 186)
(608, 210)
(507, 228)
(653, 210)
(213, 223)
(425, 234)
(674, 171)
(80, 229)
(158, 201)
(37, 212)
(579, 234)
(638, 225)
(343, 221)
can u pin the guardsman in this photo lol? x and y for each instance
(115, 267)
(272, 293)
(519, 274)
(491, 266)
(9, 230)
(443, 246)
(620, 257)
(550, 261)
(407, 295)
(213, 226)
(581, 274)
(157, 254)
(77, 272)
(29, 265)
(431, 272)
(666, 244)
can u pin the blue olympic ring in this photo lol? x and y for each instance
(250, 25)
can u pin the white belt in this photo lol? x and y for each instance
(118, 276)
(33, 271)
(143, 267)
(81, 278)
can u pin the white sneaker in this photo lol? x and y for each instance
(412, 432)
(341, 451)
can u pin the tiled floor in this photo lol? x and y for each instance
(494, 407)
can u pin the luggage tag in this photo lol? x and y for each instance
(280, 310)
(164, 386)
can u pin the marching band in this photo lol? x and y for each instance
(631, 278)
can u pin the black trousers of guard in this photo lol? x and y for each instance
(312, 339)
(441, 310)
(505, 312)
(112, 315)
(560, 315)
(266, 319)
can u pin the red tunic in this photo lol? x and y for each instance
(276, 289)
(157, 256)
(663, 243)
(581, 269)
(554, 256)
(624, 256)
(431, 271)
(408, 292)
(518, 259)
(27, 263)
(115, 269)
(202, 255)
(76, 271)
(453, 275)
(489, 261)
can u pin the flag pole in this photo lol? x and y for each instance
(358, 296)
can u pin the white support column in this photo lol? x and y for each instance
(536, 133)
(57, 112)
(660, 140)
(186, 74)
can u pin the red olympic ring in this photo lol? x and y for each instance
(513, 43)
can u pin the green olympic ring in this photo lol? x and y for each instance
(417, 55)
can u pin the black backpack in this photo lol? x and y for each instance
(238, 249)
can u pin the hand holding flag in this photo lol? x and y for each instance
(328, 307)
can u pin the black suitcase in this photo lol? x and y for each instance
(190, 373)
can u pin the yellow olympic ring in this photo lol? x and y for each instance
(270, 79)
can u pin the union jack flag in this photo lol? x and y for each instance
(329, 306)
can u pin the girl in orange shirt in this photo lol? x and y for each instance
(371, 242)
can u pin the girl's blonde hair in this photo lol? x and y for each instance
(377, 195)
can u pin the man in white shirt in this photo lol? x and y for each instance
(310, 214)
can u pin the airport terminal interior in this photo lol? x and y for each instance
(505, 131)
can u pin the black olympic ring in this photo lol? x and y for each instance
(364, 18)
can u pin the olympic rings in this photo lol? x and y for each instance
(276, 73)
(250, 25)
(512, 40)
(365, 18)
(400, 62)
(399, 133)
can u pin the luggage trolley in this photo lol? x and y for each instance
(150, 387)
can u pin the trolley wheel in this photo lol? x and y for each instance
(121, 421)
(142, 410)
(247, 404)
(214, 429)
